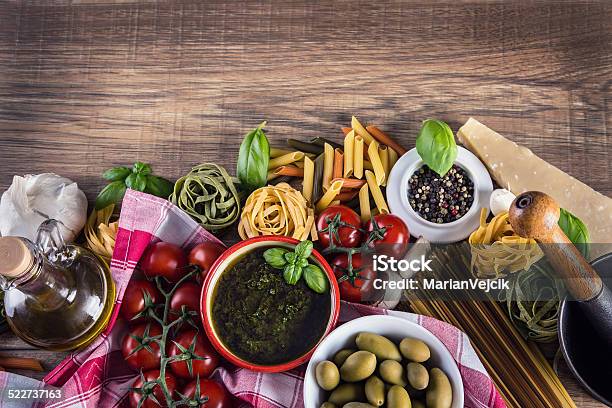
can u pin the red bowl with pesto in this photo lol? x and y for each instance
(258, 321)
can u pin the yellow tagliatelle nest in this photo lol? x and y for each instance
(277, 210)
(100, 232)
(497, 250)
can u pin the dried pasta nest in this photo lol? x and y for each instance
(277, 210)
(498, 251)
(533, 303)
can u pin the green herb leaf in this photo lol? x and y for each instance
(292, 273)
(316, 279)
(141, 168)
(275, 257)
(111, 194)
(575, 230)
(252, 168)
(159, 186)
(436, 146)
(291, 257)
(116, 173)
(304, 249)
(136, 181)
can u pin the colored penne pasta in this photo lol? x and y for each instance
(393, 156)
(285, 159)
(328, 154)
(364, 203)
(384, 138)
(376, 193)
(308, 181)
(361, 131)
(329, 196)
(383, 153)
(349, 150)
(358, 157)
(377, 165)
(350, 182)
(338, 163)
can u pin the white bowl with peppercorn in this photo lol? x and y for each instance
(439, 188)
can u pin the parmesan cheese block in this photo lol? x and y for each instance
(517, 169)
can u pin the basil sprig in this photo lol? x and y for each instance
(295, 265)
(138, 178)
(575, 230)
(253, 158)
(436, 146)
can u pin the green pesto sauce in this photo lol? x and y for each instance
(264, 320)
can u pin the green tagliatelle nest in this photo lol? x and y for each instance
(209, 194)
(533, 302)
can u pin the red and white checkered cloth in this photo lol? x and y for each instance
(97, 376)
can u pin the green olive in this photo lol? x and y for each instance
(357, 405)
(439, 393)
(382, 347)
(392, 372)
(417, 374)
(375, 391)
(414, 350)
(358, 366)
(418, 404)
(346, 393)
(342, 355)
(327, 374)
(398, 397)
(327, 404)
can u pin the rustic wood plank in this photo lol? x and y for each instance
(86, 85)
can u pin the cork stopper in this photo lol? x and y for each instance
(15, 257)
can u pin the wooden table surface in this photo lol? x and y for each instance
(85, 86)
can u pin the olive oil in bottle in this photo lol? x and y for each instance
(57, 296)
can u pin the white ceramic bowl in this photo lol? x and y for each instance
(394, 328)
(397, 197)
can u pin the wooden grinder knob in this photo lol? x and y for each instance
(536, 215)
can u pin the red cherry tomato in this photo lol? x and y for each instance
(137, 356)
(203, 349)
(355, 286)
(204, 255)
(215, 394)
(350, 237)
(395, 237)
(164, 259)
(188, 295)
(152, 375)
(134, 298)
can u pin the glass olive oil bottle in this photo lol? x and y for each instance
(57, 296)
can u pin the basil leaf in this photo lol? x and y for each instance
(302, 262)
(275, 257)
(316, 279)
(116, 173)
(304, 249)
(292, 273)
(159, 186)
(136, 181)
(575, 230)
(436, 146)
(291, 257)
(111, 194)
(141, 168)
(253, 158)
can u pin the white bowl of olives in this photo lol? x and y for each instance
(382, 361)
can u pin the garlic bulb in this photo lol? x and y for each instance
(32, 199)
(501, 200)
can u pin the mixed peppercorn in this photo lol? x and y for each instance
(441, 199)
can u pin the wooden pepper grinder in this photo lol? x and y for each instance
(536, 215)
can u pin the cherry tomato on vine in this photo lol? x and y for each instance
(188, 295)
(355, 286)
(202, 348)
(156, 390)
(138, 350)
(349, 236)
(204, 255)
(164, 259)
(215, 393)
(134, 299)
(395, 237)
